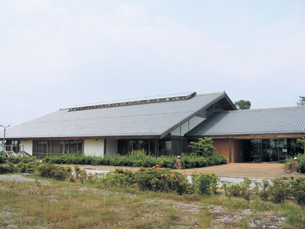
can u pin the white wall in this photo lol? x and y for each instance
(28, 146)
(94, 147)
(187, 126)
(111, 147)
(195, 121)
(184, 128)
(176, 132)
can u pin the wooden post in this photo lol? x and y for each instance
(230, 143)
(105, 147)
(294, 167)
(156, 148)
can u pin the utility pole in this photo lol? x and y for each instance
(3, 142)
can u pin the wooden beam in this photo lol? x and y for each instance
(105, 148)
(156, 147)
(246, 137)
(91, 137)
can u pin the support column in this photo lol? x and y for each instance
(105, 146)
(156, 148)
(230, 143)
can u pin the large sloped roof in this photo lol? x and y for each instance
(153, 119)
(288, 120)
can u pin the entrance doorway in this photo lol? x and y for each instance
(270, 150)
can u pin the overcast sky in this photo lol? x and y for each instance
(56, 54)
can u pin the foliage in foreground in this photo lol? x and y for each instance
(76, 205)
(94, 204)
(160, 179)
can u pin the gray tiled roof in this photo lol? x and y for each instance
(135, 120)
(288, 120)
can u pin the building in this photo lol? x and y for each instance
(164, 125)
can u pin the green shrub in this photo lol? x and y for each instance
(21, 167)
(265, 192)
(59, 173)
(280, 189)
(118, 178)
(235, 189)
(298, 190)
(241, 189)
(7, 168)
(32, 166)
(45, 170)
(10, 167)
(80, 174)
(52, 171)
(2, 169)
(204, 183)
(2, 159)
(301, 163)
(138, 159)
(161, 179)
(204, 147)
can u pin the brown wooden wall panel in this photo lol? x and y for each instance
(237, 151)
(222, 146)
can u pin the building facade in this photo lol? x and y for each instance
(164, 125)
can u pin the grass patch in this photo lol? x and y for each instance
(61, 204)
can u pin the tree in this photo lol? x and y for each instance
(204, 147)
(301, 101)
(301, 142)
(243, 104)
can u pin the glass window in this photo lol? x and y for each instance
(256, 149)
(165, 147)
(176, 147)
(42, 149)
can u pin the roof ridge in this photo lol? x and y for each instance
(264, 109)
(136, 101)
(211, 93)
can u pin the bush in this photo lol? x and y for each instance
(301, 164)
(45, 170)
(265, 192)
(59, 173)
(118, 178)
(161, 179)
(7, 168)
(21, 167)
(137, 159)
(280, 189)
(16, 160)
(205, 183)
(52, 171)
(298, 190)
(241, 189)
(32, 166)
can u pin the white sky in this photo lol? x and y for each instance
(56, 54)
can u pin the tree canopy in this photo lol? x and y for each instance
(243, 104)
(301, 101)
(204, 147)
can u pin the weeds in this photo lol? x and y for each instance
(88, 205)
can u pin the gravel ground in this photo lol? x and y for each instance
(16, 178)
